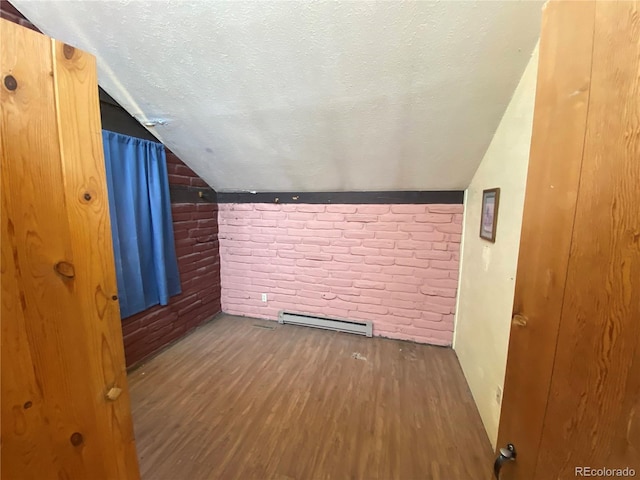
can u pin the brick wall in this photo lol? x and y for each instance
(396, 265)
(9, 12)
(196, 233)
(195, 228)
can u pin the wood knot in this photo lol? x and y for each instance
(27, 404)
(68, 51)
(76, 439)
(10, 82)
(65, 269)
(519, 320)
(87, 196)
(113, 393)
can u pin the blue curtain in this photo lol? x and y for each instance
(142, 229)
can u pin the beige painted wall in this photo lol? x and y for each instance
(487, 271)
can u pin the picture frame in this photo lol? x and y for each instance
(489, 214)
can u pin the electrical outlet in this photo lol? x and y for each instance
(498, 395)
(264, 297)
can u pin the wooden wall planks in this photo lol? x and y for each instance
(595, 392)
(572, 391)
(61, 336)
(559, 125)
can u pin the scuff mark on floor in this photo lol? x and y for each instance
(264, 327)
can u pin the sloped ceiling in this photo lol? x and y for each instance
(309, 96)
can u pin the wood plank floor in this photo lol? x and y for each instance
(236, 400)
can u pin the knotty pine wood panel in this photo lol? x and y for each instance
(593, 416)
(236, 401)
(59, 337)
(25, 444)
(559, 124)
(83, 170)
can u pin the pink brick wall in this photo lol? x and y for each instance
(396, 265)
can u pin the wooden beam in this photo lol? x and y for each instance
(397, 197)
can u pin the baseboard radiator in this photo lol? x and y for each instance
(340, 325)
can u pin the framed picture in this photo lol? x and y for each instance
(489, 217)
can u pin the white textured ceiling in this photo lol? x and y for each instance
(309, 96)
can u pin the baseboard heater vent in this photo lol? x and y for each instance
(340, 325)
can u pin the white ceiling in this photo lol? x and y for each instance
(309, 96)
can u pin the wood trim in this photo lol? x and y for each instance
(187, 194)
(117, 119)
(454, 197)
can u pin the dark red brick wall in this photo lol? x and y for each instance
(9, 12)
(195, 228)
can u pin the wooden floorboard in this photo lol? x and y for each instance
(237, 401)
